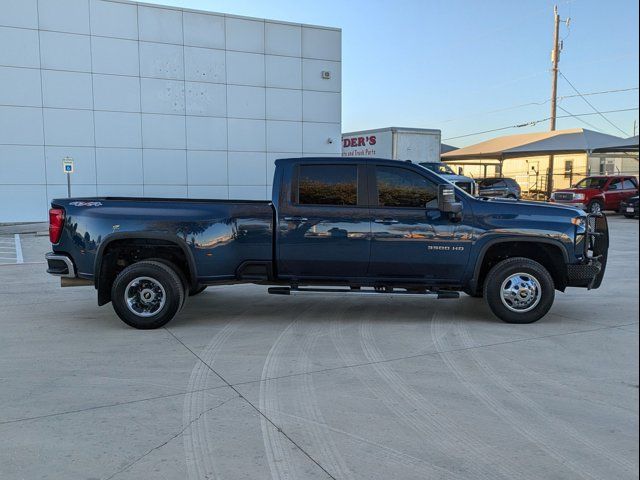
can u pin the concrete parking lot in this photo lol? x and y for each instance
(247, 385)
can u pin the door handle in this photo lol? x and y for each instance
(295, 219)
(385, 220)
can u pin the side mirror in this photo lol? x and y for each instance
(447, 201)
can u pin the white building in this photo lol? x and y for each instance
(156, 101)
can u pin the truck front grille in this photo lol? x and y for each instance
(563, 197)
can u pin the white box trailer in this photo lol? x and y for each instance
(420, 145)
(415, 144)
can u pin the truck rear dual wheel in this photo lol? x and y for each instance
(190, 290)
(147, 294)
(519, 290)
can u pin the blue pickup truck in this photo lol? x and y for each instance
(334, 226)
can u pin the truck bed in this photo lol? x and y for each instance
(219, 237)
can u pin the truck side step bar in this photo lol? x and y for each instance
(362, 292)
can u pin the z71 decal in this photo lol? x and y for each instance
(86, 204)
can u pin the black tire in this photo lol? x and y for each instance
(532, 272)
(158, 277)
(179, 272)
(197, 289)
(191, 290)
(595, 206)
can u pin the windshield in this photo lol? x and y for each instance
(441, 168)
(593, 182)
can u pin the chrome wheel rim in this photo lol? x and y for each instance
(595, 208)
(521, 292)
(144, 296)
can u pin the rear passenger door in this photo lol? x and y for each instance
(629, 188)
(324, 228)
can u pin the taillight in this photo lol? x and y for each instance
(56, 222)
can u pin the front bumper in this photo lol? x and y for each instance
(590, 271)
(60, 265)
(576, 203)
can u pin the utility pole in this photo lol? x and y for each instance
(555, 59)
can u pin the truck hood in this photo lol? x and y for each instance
(516, 206)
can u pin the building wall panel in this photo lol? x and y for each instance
(157, 101)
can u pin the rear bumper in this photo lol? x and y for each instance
(60, 265)
(590, 272)
(628, 209)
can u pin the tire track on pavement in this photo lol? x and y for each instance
(278, 456)
(556, 425)
(522, 426)
(431, 421)
(198, 451)
(307, 402)
(389, 400)
(277, 453)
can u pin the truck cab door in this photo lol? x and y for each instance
(613, 194)
(324, 226)
(412, 241)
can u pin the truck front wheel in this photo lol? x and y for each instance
(519, 290)
(147, 294)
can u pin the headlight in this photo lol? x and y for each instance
(580, 223)
(578, 196)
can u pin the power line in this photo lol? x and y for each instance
(616, 90)
(591, 105)
(535, 122)
(578, 118)
(543, 102)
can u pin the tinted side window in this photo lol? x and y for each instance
(398, 187)
(615, 184)
(628, 184)
(328, 185)
(491, 183)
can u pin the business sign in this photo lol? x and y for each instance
(67, 165)
(376, 144)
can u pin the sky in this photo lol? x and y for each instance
(468, 66)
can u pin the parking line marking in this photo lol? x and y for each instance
(19, 257)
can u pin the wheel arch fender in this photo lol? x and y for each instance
(119, 236)
(492, 242)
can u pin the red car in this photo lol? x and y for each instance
(599, 193)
